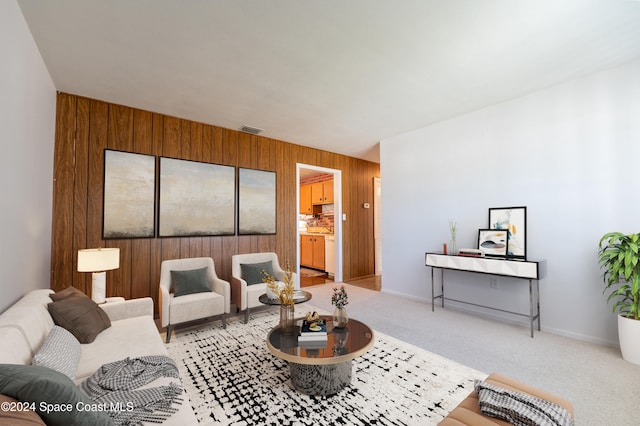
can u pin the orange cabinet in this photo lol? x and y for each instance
(322, 192)
(312, 251)
(306, 206)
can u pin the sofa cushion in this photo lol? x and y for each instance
(81, 316)
(190, 281)
(18, 417)
(30, 317)
(131, 337)
(252, 272)
(60, 351)
(45, 387)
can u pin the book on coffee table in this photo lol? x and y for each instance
(313, 328)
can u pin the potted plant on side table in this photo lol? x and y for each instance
(618, 256)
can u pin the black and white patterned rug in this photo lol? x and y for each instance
(232, 379)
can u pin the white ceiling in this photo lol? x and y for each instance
(339, 75)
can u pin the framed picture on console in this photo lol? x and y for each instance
(493, 242)
(514, 221)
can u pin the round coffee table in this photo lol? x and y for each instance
(322, 368)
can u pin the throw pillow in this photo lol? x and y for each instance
(60, 351)
(190, 282)
(252, 272)
(519, 409)
(66, 293)
(56, 399)
(18, 417)
(81, 316)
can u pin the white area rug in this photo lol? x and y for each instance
(232, 379)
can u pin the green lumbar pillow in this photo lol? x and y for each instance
(190, 282)
(252, 272)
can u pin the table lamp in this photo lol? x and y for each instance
(98, 261)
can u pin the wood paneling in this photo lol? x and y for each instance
(86, 127)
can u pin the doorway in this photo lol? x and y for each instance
(305, 172)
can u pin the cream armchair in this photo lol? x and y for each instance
(245, 295)
(194, 305)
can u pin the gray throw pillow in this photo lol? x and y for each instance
(252, 272)
(190, 282)
(81, 316)
(60, 351)
(44, 387)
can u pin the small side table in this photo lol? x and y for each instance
(299, 296)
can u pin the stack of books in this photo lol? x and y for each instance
(313, 332)
(470, 253)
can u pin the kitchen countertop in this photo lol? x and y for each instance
(316, 233)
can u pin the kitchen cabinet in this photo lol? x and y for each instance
(306, 206)
(312, 251)
(322, 192)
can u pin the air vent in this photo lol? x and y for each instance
(249, 129)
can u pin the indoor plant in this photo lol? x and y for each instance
(620, 259)
(285, 294)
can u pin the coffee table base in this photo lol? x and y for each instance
(322, 380)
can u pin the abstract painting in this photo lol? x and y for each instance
(493, 242)
(514, 220)
(256, 202)
(129, 195)
(196, 199)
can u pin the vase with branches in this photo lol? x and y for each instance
(340, 299)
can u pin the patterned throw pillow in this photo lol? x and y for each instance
(60, 351)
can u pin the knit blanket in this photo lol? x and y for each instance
(518, 408)
(115, 387)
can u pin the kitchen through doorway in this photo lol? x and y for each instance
(319, 227)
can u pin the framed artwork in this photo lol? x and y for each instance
(493, 242)
(514, 220)
(256, 202)
(129, 195)
(196, 199)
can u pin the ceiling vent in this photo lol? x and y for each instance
(249, 129)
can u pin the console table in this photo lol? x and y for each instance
(532, 271)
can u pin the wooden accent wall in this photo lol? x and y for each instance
(86, 127)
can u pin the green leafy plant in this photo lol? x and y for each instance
(618, 256)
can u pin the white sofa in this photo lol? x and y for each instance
(25, 325)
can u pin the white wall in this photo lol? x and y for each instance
(27, 126)
(570, 153)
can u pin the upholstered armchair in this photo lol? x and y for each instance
(247, 285)
(191, 290)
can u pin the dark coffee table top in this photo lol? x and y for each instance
(299, 296)
(343, 344)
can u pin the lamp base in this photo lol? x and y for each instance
(99, 287)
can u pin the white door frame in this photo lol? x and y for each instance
(377, 224)
(337, 210)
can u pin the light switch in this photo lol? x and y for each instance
(344, 216)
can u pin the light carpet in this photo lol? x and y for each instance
(232, 379)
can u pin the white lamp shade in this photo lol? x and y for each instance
(97, 260)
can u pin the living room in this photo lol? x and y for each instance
(561, 150)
